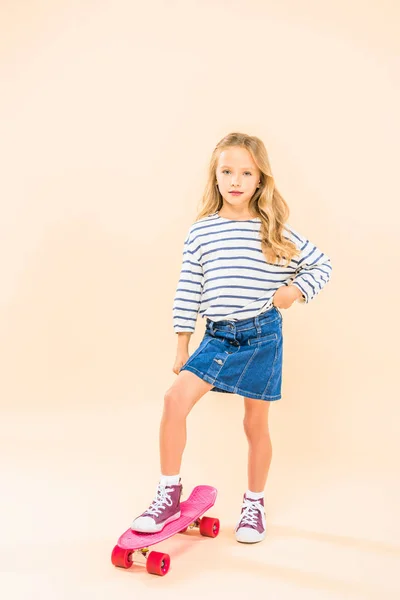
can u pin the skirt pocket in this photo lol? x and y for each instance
(263, 339)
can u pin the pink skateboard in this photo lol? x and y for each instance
(131, 542)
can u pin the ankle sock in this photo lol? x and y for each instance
(254, 495)
(170, 479)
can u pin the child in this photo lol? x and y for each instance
(242, 263)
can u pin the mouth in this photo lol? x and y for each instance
(236, 193)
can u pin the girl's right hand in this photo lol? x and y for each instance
(180, 359)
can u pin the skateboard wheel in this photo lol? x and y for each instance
(209, 527)
(158, 563)
(121, 557)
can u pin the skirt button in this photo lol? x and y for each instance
(219, 361)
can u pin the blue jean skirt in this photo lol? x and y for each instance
(242, 357)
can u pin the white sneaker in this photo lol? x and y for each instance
(164, 509)
(251, 526)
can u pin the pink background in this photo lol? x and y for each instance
(109, 113)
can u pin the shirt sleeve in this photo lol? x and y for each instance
(187, 298)
(313, 269)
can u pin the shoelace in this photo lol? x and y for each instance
(162, 498)
(250, 514)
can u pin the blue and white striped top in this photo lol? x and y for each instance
(224, 274)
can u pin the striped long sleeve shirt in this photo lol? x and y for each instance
(225, 275)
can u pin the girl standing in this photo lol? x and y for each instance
(242, 263)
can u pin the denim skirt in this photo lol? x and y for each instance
(242, 357)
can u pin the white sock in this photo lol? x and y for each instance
(169, 479)
(254, 495)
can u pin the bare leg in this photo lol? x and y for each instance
(178, 402)
(260, 448)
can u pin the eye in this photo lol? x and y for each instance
(228, 171)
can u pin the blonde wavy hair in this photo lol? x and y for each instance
(266, 202)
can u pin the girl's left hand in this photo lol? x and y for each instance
(285, 296)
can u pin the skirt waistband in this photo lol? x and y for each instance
(242, 324)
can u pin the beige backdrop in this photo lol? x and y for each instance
(109, 114)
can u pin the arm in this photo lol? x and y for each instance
(183, 341)
(188, 293)
(313, 270)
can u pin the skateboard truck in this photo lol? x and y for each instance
(137, 556)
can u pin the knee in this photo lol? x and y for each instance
(174, 406)
(255, 430)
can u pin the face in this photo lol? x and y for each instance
(236, 171)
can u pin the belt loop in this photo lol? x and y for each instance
(257, 325)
